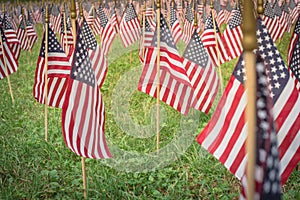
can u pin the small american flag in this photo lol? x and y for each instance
(59, 67)
(200, 71)
(146, 40)
(175, 25)
(114, 19)
(175, 86)
(22, 36)
(83, 115)
(66, 36)
(281, 19)
(211, 41)
(107, 31)
(10, 60)
(130, 30)
(267, 176)
(271, 21)
(233, 35)
(96, 54)
(55, 18)
(225, 134)
(31, 34)
(11, 37)
(188, 27)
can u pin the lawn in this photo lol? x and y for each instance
(31, 168)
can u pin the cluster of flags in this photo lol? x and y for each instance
(76, 69)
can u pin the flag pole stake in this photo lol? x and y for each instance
(144, 18)
(158, 75)
(6, 68)
(73, 21)
(65, 28)
(46, 72)
(249, 44)
(217, 46)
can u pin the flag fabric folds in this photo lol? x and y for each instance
(233, 35)
(6, 57)
(271, 21)
(96, 54)
(200, 71)
(214, 42)
(59, 67)
(175, 25)
(225, 134)
(175, 87)
(130, 30)
(267, 176)
(188, 27)
(11, 37)
(107, 31)
(83, 115)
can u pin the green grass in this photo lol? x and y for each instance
(31, 168)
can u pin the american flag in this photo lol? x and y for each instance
(225, 134)
(146, 40)
(201, 73)
(66, 36)
(96, 54)
(30, 17)
(294, 39)
(175, 86)
(130, 30)
(233, 35)
(294, 11)
(106, 9)
(83, 115)
(91, 16)
(31, 34)
(271, 21)
(59, 67)
(211, 40)
(55, 18)
(188, 27)
(38, 15)
(294, 64)
(175, 25)
(107, 31)
(11, 37)
(7, 56)
(200, 8)
(114, 19)
(267, 176)
(221, 17)
(279, 14)
(22, 35)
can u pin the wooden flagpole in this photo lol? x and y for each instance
(158, 4)
(249, 44)
(46, 71)
(6, 68)
(73, 21)
(65, 28)
(217, 46)
(144, 18)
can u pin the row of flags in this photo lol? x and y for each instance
(76, 75)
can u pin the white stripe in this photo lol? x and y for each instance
(291, 151)
(214, 132)
(231, 131)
